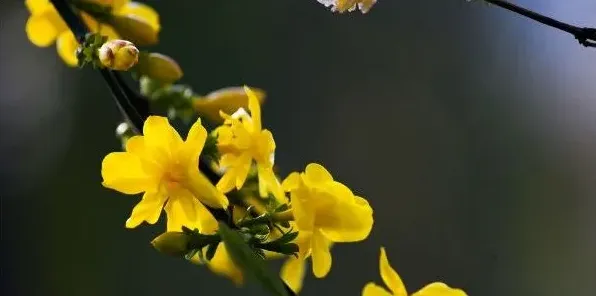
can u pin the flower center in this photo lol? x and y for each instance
(174, 177)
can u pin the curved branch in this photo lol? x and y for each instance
(585, 36)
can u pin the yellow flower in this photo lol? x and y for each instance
(227, 100)
(45, 26)
(342, 6)
(397, 288)
(325, 212)
(165, 168)
(240, 141)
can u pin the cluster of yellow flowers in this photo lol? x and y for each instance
(164, 167)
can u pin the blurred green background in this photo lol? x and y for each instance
(471, 131)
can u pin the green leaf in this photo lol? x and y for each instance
(249, 261)
(286, 249)
(192, 253)
(287, 238)
(211, 251)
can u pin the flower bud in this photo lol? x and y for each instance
(172, 243)
(118, 55)
(160, 67)
(135, 29)
(228, 100)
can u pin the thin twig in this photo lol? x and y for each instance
(585, 36)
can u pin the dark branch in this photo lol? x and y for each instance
(585, 36)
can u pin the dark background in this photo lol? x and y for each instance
(471, 131)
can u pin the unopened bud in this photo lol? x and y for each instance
(118, 55)
(228, 100)
(160, 67)
(172, 243)
(135, 29)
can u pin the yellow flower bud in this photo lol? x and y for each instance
(118, 55)
(227, 99)
(160, 67)
(135, 29)
(172, 243)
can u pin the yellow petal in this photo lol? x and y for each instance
(303, 209)
(136, 146)
(321, 256)
(116, 4)
(390, 276)
(142, 11)
(304, 242)
(292, 273)
(194, 144)
(177, 217)
(67, 48)
(254, 107)
(202, 188)
(346, 221)
(265, 147)
(161, 139)
(37, 6)
(316, 175)
(263, 188)
(372, 289)
(148, 209)
(227, 181)
(122, 171)
(207, 223)
(439, 289)
(107, 30)
(268, 183)
(291, 182)
(241, 167)
(40, 30)
(222, 264)
(340, 190)
(183, 202)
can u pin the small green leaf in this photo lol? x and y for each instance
(192, 253)
(211, 251)
(287, 238)
(286, 249)
(249, 261)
